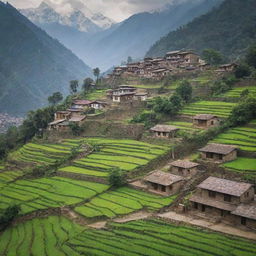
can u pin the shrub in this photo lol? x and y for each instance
(8, 216)
(117, 177)
(243, 70)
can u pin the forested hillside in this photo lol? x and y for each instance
(230, 28)
(33, 65)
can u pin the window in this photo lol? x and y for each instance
(155, 186)
(212, 194)
(247, 194)
(212, 122)
(209, 155)
(170, 187)
(180, 170)
(196, 205)
(203, 208)
(243, 221)
(159, 133)
(220, 157)
(227, 198)
(163, 189)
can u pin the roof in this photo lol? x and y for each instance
(77, 118)
(141, 94)
(172, 52)
(57, 122)
(204, 117)
(125, 93)
(163, 178)
(98, 102)
(82, 102)
(184, 164)
(224, 186)
(75, 110)
(228, 65)
(65, 123)
(63, 112)
(164, 128)
(247, 211)
(218, 148)
(213, 203)
(159, 70)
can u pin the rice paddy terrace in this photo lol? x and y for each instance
(57, 236)
(237, 91)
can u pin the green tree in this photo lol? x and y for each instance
(251, 56)
(8, 216)
(96, 73)
(129, 59)
(117, 177)
(185, 91)
(55, 98)
(212, 56)
(87, 84)
(243, 70)
(76, 129)
(73, 86)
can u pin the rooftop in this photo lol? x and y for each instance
(184, 164)
(224, 186)
(247, 211)
(163, 178)
(57, 122)
(204, 117)
(77, 118)
(218, 148)
(164, 128)
(82, 102)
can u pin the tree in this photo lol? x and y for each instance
(129, 59)
(73, 85)
(185, 91)
(8, 216)
(96, 73)
(75, 129)
(212, 57)
(242, 70)
(251, 56)
(55, 98)
(87, 83)
(117, 177)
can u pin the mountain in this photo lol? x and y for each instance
(230, 28)
(33, 65)
(132, 37)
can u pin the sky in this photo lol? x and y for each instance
(118, 10)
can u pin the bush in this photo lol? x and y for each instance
(8, 216)
(243, 70)
(117, 178)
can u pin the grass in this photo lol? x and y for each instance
(45, 193)
(243, 137)
(186, 127)
(221, 109)
(125, 154)
(122, 201)
(96, 95)
(236, 92)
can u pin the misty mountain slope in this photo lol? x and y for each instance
(33, 65)
(230, 28)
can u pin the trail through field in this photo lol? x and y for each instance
(134, 216)
(219, 227)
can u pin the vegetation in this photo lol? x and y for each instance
(212, 57)
(55, 98)
(117, 178)
(9, 214)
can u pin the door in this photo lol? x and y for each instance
(243, 221)
(203, 208)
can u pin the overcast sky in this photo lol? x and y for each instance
(115, 9)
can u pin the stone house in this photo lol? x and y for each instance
(189, 58)
(229, 200)
(218, 153)
(227, 67)
(164, 131)
(96, 104)
(205, 120)
(141, 96)
(81, 104)
(164, 183)
(160, 73)
(123, 97)
(184, 168)
(61, 115)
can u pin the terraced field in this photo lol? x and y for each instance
(125, 154)
(219, 108)
(7, 177)
(236, 92)
(42, 154)
(122, 201)
(45, 193)
(243, 137)
(186, 127)
(96, 95)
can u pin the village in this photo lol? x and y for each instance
(7, 121)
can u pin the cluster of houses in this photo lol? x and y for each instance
(75, 114)
(126, 93)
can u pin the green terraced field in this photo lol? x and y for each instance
(245, 166)
(186, 126)
(125, 154)
(122, 201)
(96, 95)
(243, 137)
(45, 193)
(1, 167)
(46, 154)
(7, 177)
(221, 109)
(236, 92)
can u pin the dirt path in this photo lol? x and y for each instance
(134, 216)
(220, 227)
(98, 225)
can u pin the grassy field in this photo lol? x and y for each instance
(7, 177)
(236, 92)
(125, 154)
(221, 109)
(186, 126)
(243, 137)
(122, 201)
(96, 95)
(45, 193)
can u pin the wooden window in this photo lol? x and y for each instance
(227, 198)
(220, 157)
(247, 194)
(163, 189)
(209, 155)
(196, 205)
(212, 194)
(155, 186)
(243, 221)
(203, 208)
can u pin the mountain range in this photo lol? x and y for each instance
(230, 29)
(110, 44)
(33, 65)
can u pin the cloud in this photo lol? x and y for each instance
(115, 9)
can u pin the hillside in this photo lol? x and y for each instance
(230, 28)
(33, 65)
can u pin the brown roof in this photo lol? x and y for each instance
(164, 128)
(82, 102)
(77, 118)
(163, 178)
(224, 186)
(57, 122)
(218, 148)
(63, 112)
(204, 117)
(184, 164)
(247, 211)
(213, 203)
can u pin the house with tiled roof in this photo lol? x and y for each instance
(164, 131)
(205, 120)
(184, 168)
